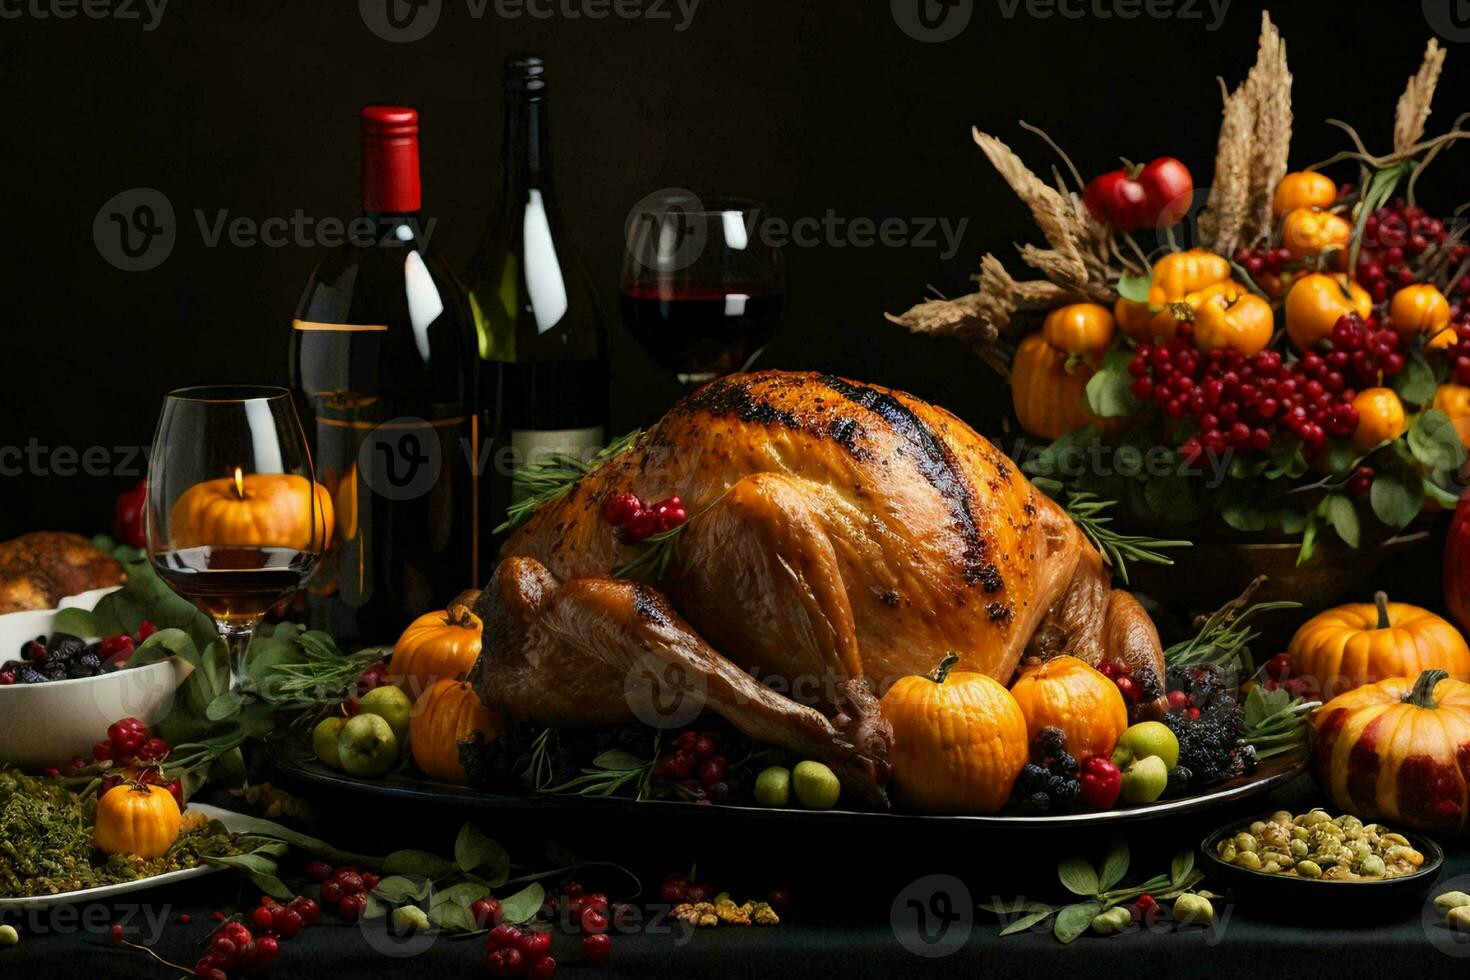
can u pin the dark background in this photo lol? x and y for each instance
(811, 106)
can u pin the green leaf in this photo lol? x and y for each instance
(523, 905)
(400, 888)
(1115, 865)
(1074, 920)
(1338, 457)
(1435, 443)
(1396, 499)
(1078, 877)
(453, 917)
(619, 761)
(167, 643)
(375, 908)
(465, 894)
(421, 863)
(1244, 516)
(227, 705)
(474, 851)
(1340, 511)
(1109, 391)
(1183, 862)
(1135, 288)
(1038, 913)
(77, 622)
(1416, 384)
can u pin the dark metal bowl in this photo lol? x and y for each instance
(1303, 899)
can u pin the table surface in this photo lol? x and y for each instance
(849, 930)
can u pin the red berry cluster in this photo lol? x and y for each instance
(1128, 685)
(236, 947)
(634, 521)
(1394, 237)
(1277, 674)
(1264, 261)
(1371, 353)
(130, 743)
(1180, 703)
(1458, 353)
(374, 677)
(695, 759)
(678, 889)
(1145, 909)
(343, 889)
(1243, 402)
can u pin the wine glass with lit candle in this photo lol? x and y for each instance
(235, 517)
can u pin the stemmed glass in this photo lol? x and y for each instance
(703, 283)
(235, 518)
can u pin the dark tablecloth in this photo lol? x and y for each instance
(850, 916)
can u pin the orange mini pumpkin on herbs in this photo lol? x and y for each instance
(437, 646)
(1064, 692)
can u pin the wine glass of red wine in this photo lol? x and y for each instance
(235, 518)
(702, 287)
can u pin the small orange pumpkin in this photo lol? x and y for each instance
(959, 741)
(137, 819)
(1080, 330)
(1233, 319)
(1381, 418)
(1421, 308)
(1454, 401)
(1049, 395)
(1365, 642)
(253, 510)
(437, 646)
(1315, 304)
(1065, 693)
(1303, 189)
(1307, 232)
(1395, 751)
(1176, 277)
(447, 714)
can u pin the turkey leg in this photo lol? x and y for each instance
(606, 651)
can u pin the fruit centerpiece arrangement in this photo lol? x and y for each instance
(1292, 355)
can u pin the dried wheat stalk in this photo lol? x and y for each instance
(1251, 155)
(1413, 108)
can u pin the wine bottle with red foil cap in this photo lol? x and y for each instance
(542, 336)
(383, 366)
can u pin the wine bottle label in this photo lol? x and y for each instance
(531, 445)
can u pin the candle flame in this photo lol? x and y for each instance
(239, 483)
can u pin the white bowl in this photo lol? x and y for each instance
(44, 725)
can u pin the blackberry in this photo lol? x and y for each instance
(30, 675)
(65, 646)
(1048, 784)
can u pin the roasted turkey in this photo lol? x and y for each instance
(840, 536)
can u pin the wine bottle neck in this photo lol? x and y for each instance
(390, 160)
(527, 147)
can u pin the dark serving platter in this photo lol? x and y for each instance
(1308, 895)
(291, 756)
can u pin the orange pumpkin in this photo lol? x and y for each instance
(1315, 304)
(1066, 693)
(1421, 308)
(253, 510)
(437, 646)
(1049, 395)
(1362, 643)
(445, 715)
(1233, 319)
(1307, 232)
(1381, 418)
(1176, 277)
(959, 741)
(1396, 751)
(1303, 189)
(136, 819)
(1080, 330)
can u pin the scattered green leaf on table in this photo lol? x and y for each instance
(523, 905)
(1074, 920)
(1078, 877)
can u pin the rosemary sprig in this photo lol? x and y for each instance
(549, 478)
(1087, 510)
(543, 762)
(1276, 722)
(656, 554)
(610, 772)
(1226, 633)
